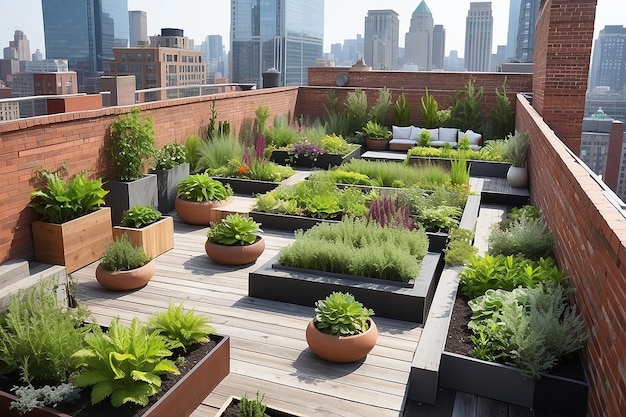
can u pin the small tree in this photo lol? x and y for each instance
(466, 107)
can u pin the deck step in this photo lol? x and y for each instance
(38, 273)
(13, 271)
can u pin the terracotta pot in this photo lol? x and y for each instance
(517, 177)
(197, 212)
(126, 280)
(234, 255)
(376, 144)
(341, 348)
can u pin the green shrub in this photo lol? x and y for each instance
(235, 229)
(460, 249)
(444, 118)
(466, 105)
(502, 117)
(393, 174)
(170, 155)
(132, 144)
(493, 150)
(375, 130)
(263, 170)
(429, 110)
(527, 237)
(121, 255)
(401, 111)
(336, 145)
(201, 187)
(424, 138)
(440, 218)
(340, 314)
(261, 114)
(140, 216)
(378, 111)
(356, 109)
(516, 213)
(181, 328)
(281, 134)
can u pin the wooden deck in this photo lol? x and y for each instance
(269, 352)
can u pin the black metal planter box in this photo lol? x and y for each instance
(322, 161)
(394, 300)
(477, 168)
(248, 186)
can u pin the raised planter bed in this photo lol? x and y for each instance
(395, 300)
(233, 401)
(248, 186)
(155, 238)
(323, 161)
(477, 168)
(181, 400)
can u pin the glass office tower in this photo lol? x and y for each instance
(85, 32)
(286, 35)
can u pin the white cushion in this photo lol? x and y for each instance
(448, 134)
(434, 134)
(474, 138)
(401, 132)
(395, 141)
(415, 133)
(439, 143)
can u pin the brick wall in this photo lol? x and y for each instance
(562, 53)
(441, 85)
(590, 238)
(81, 140)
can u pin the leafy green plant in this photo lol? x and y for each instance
(121, 255)
(506, 272)
(235, 229)
(181, 328)
(378, 111)
(459, 172)
(201, 187)
(125, 364)
(340, 314)
(440, 218)
(517, 213)
(61, 201)
(140, 216)
(424, 138)
(252, 408)
(493, 150)
(429, 110)
(281, 134)
(170, 156)
(525, 236)
(460, 249)
(356, 109)
(133, 143)
(516, 148)
(401, 111)
(263, 170)
(464, 144)
(374, 130)
(466, 107)
(502, 117)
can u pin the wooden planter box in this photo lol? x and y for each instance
(167, 184)
(394, 300)
(323, 161)
(124, 195)
(270, 411)
(155, 238)
(180, 401)
(74, 244)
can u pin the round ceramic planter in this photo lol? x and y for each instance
(197, 212)
(234, 255)
(517, 177)
(341, 348)
(126, 280)
(376, 144)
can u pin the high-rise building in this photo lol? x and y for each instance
(418, 41)
(511, 38)
(285, 35)
(498, 58)
(353, 49)
(213, 54)
(608, 65)
(453, 62)
(47, 65)
(37, 55)
(478, 36)
(85, 32)
(382, 30)
(336, 50)
(439, 47)
(525, 41)
(19, 47)
(138, 28)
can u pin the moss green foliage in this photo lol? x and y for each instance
(64, 200)
(424, 138)
(429, 110)
(133, 143)
(124, 364)
(356, 109)
(358, 247)
(517, 147)
(506, 272)
(460, 249)
(261, 114)
(180, 328)
(378, 111)
(466, 107)
(401, 111)
(140, 216)
(374, 130)
(201, 187)
(217, 153)
(459, 172)
(340, 314)
(170, 155)
(192, 146)
(502, 117)
(29, 397)
(523, 236)
(235, 229)
(252, 408)
(38, 336)
(121, 255)
(530, 328)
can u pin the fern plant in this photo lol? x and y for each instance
(181, 328)
(125, 364)
(429, 110)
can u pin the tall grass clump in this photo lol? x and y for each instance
(358, 247)
(218, 152)
(378, 111)
(281, 134)
(356, 109)
(393, 174)
(429, 110)
(459, 172)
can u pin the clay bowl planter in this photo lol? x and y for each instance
(126, 280)
(341, 348)
(236, 254)
(198, 212)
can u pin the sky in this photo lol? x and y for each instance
(344, 19)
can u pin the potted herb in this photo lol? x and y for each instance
(74, 229)
(342, 330)
(124, 266)
(197, 196)
(234, 241)
(132, 146)
(171, 167)
(516, 149)
(376, 135)
(146, 227)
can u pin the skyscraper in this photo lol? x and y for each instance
(439, 47)
(478, 36)
(138, 28)
(418, 42)
(19, 47)
(286, 35)
(213, 55)
(608, 66)
(511, 38)
(382, 29)
(525, 43)
(85, 32)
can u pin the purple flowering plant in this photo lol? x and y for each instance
(304, 149)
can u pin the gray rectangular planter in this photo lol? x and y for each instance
(167, 183)
(124, 195)
(248, 186)
(388, 299)
(323, 161)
